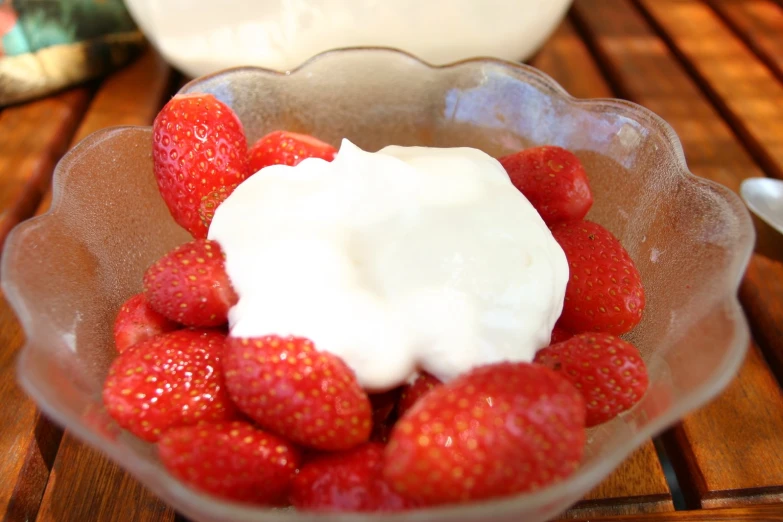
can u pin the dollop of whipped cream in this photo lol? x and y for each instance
(404, 259)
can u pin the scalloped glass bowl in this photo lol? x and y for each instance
(67, 272)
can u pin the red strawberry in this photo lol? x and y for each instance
(199, 155)
(553, 180)
(287, 148)
(348, 481)
(288, 387)
(137, 321)
(190, 285)
(608, 371)
(559, 335)
(497, 430)
(604, 292)
(234, 461)
(173, 379)
(411, 393)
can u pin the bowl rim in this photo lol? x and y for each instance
(187, 500)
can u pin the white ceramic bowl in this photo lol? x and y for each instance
(203, 36)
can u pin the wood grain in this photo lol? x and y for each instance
(746, 91)
(566, 59)
(85, 485)
(34, 136)
(639, 485)
(759, 23)
(760, 294)
(748, 514)
(28, 441)
(742, 461)
(644, 70)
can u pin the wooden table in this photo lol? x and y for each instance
(713, 69)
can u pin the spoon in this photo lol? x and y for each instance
(764, 196)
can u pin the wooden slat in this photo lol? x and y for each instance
(639, 485)
(28, 442)
(565, 58)
(748, 93)
(85, 485)
(747, 514)
(647, 72)
(741, 462)
(763, 302)
(644, 71)
(759, 23)
(34, 136)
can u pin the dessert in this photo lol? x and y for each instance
(408, 328)
(403, 259)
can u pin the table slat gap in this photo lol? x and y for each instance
(760, 294)
(131, 96)
(765, 513)
(35, 136)
(34, 473)
(742, 458)
(759, 24)
(745, 92)
(653, 77)
(611, 75)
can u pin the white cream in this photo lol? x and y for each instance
(408, 258)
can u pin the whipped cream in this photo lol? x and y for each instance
(404, 259)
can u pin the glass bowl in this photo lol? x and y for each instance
(67, 272)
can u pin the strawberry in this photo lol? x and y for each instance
(231, 460)
(608, 371)
(288, 387)
(497, 430)
(347, 481)
(604, 291)
(559, 334)
(553, 180)
(190, 285)
(287, 148)
(199, 155)
(137, 321)
(423, 383)
(173, 379)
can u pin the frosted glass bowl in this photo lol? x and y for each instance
(67, 272)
